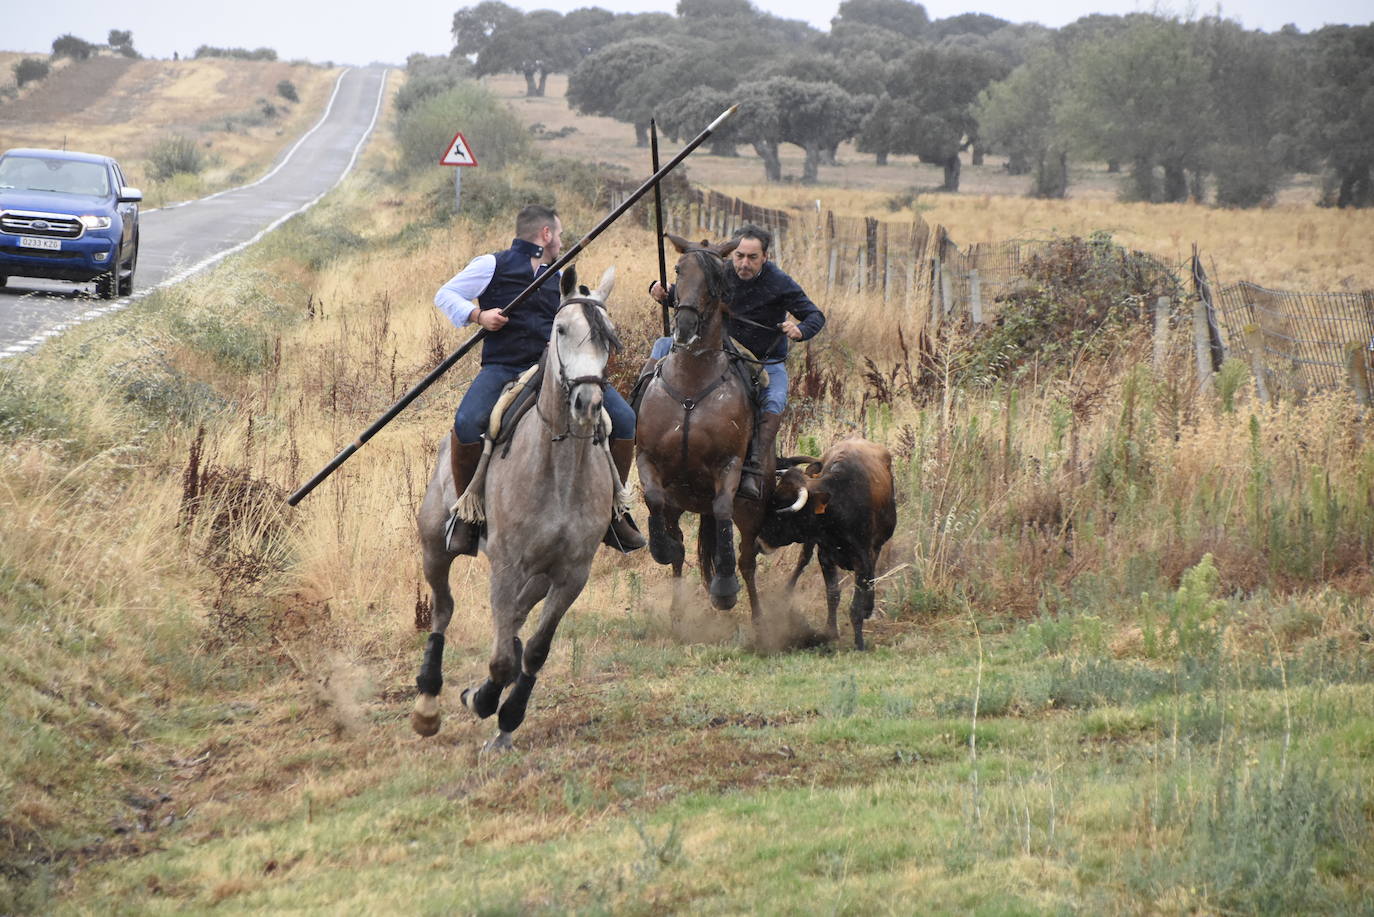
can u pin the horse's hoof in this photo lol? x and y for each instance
(724, 590)
(662, 551)
(502, 742)
(424, 719)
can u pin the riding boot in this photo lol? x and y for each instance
(623, 535)
(751, 480)
(462, 536)
(637, 391)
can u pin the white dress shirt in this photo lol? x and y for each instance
(455, 298)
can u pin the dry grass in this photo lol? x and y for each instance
(154, 99)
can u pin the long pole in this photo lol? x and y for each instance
(658, 220)
(419, 388)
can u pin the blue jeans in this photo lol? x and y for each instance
(470, 420)
(774, 396)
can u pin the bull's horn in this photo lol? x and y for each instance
(801, 501)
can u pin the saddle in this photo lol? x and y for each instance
(514, 402)
(750, 369)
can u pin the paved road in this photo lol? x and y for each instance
(184, 239)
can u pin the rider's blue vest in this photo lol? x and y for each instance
(524, 336)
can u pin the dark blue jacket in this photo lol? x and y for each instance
(524, 336)
(766, 300)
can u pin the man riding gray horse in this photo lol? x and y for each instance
(514, 343)
(761, 300)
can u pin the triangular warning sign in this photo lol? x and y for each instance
(458, 153)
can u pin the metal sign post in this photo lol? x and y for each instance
(458, 153)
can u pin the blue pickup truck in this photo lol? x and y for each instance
(68, 216)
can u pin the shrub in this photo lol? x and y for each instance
(489, 196)
(429, 76)
(30, 70)
(70, 46)
(426, 129)
(236, 53)
(287, 90)
(175, 155)
(1078, 296)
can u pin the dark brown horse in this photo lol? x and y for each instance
(693, 431)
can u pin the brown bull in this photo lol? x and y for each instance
(844, 506)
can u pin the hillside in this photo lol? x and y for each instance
(126, 108)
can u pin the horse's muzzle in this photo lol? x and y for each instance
(586, 401)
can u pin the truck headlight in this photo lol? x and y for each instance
(94, 222)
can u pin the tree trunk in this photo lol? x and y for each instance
(880, 157)
(1197, 185)
(531, 87)
(722, 147)
(1143, 179)
(811, 166)
(978, 154)
(641, 133)
(1018, 163)
(1051, 175)
(830, 155)
(952, 166)
(1175, 183)
(768, 152)
(1356, 189)
(543, 82)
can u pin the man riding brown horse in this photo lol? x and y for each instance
(768, 310)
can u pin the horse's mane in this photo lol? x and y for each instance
(602, 332)
(719, 278)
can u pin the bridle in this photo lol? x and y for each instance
(701, 319)
(598, 434)
(694, 308)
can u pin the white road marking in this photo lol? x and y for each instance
(30, 343)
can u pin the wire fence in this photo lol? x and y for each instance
(1295, 341)
(1303, 339)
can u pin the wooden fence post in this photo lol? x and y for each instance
(1161, 333)
(1254, 342)
(911, 284)
(862, 277)
(946, 291)
(1202, 346)
(975, 296)
(937, 311)
(871, 250)
(1357, 370)
(831, 253)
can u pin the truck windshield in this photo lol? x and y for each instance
(31, 173)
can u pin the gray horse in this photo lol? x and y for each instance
(548, 498)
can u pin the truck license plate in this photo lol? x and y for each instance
(52, 245)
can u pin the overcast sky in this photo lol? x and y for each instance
(361, 31)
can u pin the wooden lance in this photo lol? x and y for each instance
(419, 388)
